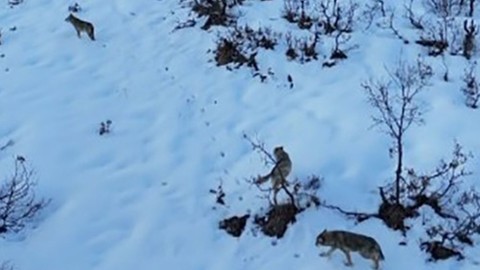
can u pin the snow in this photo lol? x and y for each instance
(138, 198)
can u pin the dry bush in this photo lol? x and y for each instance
(217, 12)
(471, 31)
(18, 203)
(240, 45)
(299, 12)
(471, 89)
(448, 208)
(302, 50)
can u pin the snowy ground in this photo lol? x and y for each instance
(138, 198)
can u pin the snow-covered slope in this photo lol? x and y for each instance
(138, 198)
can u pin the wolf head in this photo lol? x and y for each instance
(321, 238)
(69, 18)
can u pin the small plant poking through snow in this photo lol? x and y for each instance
(74, 8)
(105, 128)
(219, 194)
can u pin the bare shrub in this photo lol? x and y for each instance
(18, 203)
(448, 8)
(449, 237)
(217, 12)
(444, 8)
(337, 19)
(471, 31)
(337, 16)
(471, 89)
(436, 36)
(372, 10)
(298, 12)
(446, 30)
(240, 45)
(302, 49)
(388, 23)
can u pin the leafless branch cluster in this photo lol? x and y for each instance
(471, 31)
(379, 9)
(337, 19)
(217, 12)
(449, 8)
(18, 203)
(437, 35)
(448, 237)
(447, 28)
(471, 89)
(372, 10)
(415, 20)
(302, 49)
(240, 45)
(298, 12)
(337, 16)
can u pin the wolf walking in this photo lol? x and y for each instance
(350, 242)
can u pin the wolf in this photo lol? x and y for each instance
(81, 26)
(279, 173)
(350, 242)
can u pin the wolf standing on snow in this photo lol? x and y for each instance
(350, 242)
(81, 26)
(279, 173)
